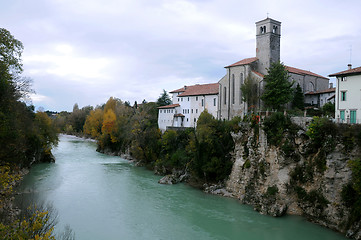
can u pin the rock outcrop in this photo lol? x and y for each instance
(278, 180)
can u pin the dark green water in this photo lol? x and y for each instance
(105, 197)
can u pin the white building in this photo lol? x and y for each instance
(187, 104)
(320, 98)
(348, 95)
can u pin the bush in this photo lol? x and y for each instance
(322, 133)
(275, 126)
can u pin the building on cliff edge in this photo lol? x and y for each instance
(268, 36)
(188, 103)
(348, 95)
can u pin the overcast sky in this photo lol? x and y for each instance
(85, 51)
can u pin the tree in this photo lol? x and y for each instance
(164, 99)
(249, 91)
(298, 98)
(278, 90)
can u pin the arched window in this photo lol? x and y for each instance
(225, 95)
(240, 84)
(274, 30)
(233, 88)
(311, 87)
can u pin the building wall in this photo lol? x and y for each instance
(230, 94)
(352, 87)
(309, 83)
(166, 117)
(191, 107)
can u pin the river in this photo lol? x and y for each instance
(107, 197)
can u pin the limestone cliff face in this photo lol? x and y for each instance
(279, 180)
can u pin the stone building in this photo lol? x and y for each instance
(268, 36)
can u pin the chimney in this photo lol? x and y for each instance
(185, 87)
(349, 66)
(331, 85)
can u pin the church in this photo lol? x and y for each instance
(268, 36)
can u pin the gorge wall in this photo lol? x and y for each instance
(285, 178)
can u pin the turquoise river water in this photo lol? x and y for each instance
(107, 197)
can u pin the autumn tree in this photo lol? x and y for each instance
(278, 89)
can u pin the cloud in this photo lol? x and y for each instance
(85, 51)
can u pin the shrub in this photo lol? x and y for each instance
(271, 191)
(275, 126)
(322, 132)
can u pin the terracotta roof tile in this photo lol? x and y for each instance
(194, 90)
(302, 72)
(179, 115)
(169, 106)
(347, 72)
(259, 74)
(243, 62)
(329, 90)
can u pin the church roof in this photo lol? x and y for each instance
(329, 90)
(288, 68)
(302, 72)
(243, 62)
(347, 72)
(194, 90)
(169, 106)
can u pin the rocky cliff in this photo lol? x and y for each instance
(289, 178)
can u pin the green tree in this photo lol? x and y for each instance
(249, 92)
(164, 99)
(329, 109)
(278, 90)
(298, 98)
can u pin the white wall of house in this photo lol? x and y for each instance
(166, 117)
(348, 99)
(191, 107)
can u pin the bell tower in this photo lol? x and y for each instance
(268, 35)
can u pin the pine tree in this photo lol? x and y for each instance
(164, 99)
(298, 98)
(278, 90)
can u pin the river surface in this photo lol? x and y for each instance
(107, 197)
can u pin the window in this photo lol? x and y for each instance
(233, 89)
(178, 99)
(343, 96)
(187, 119)
(240, 91)
(188, 99)
(274, 30)
(214, 101)
(160, 111)
(196, 98)
(182, 99)
(353, 116)
(192, 110)
(343, 79)
(311, 87)
(196, 110)
(202, 102)
(225, 95)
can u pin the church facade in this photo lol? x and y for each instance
(268, 36)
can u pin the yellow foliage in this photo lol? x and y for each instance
(32, 228)
(93, 123)
(109, 122)
(7, 179)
